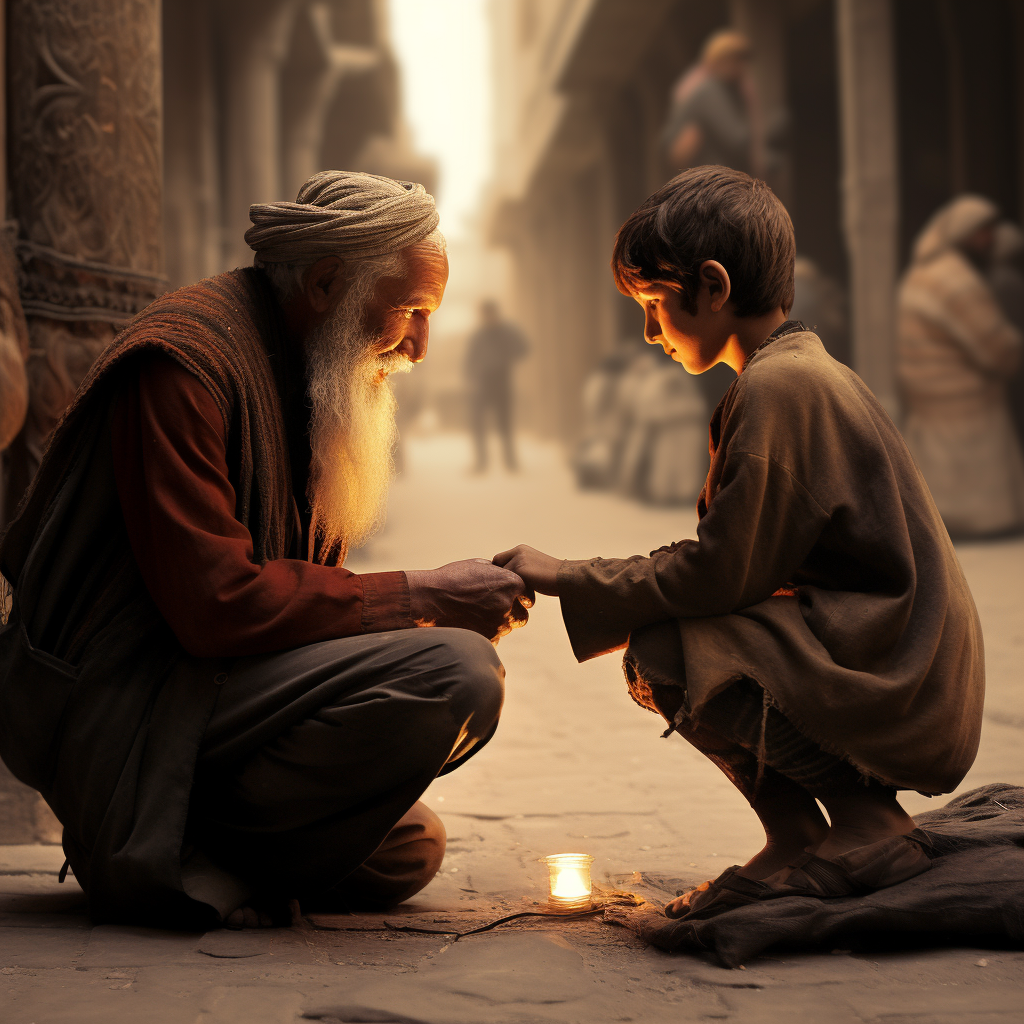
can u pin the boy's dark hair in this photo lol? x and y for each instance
(711, 213)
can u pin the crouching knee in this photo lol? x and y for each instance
(476, 690)
(655, 669)
(400, 867)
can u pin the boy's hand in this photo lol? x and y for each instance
(538, 571)
(471, 594)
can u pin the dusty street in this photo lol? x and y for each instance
(575, 766)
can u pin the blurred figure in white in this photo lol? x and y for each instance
(645, 428)
(1007, 271)
(630, 473)
(665, 459)
(598, 453)
(957, 350)
(1007, 277)
(494, 349)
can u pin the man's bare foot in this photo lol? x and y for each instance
(248, 917)
(272, 913)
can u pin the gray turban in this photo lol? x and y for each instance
(342, 213)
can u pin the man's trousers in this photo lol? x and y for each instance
(314, 760)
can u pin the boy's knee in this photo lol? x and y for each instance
(655, 670)
(657, 653)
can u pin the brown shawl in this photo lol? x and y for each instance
(224, 330)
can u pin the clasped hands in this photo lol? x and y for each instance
(490, 598)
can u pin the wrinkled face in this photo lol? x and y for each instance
(397, 316)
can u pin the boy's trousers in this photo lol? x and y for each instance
(739, 729)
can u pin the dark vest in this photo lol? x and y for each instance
(100, 708)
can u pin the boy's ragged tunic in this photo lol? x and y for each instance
(821, 570)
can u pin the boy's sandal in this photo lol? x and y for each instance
(864, 870)
(727, 891)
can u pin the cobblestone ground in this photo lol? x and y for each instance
(575, 766)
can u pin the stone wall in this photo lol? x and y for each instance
(24, 815)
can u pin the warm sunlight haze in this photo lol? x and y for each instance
(443, 48)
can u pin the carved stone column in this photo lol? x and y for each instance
(192, 186)
(763, 22)
(318, 66)
(867, 91)
(84, 145)
(255, 35)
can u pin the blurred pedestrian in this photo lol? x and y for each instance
(957, 350)
(1006, 274)
(494, 349)
(713, 108)
(715, 116)
(664, 453)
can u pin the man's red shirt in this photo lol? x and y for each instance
(196, 559)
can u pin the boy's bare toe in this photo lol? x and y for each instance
(681, 904)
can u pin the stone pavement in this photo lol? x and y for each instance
(575, 766)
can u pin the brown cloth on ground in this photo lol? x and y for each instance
(812, 492)
(973, 895)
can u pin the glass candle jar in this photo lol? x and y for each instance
(569, 885)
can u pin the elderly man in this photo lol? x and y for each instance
(222, 717)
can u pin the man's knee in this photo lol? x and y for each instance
(477, 687)
(400, 867)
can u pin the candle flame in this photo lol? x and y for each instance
(570, 883)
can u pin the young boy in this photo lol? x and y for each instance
(818, 640)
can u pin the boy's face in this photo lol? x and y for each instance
(696, 339)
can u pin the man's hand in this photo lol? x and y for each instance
(471, 594)
(538, 571)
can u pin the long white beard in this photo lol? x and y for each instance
(352, 428)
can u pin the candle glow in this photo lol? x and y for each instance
(569, 880)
